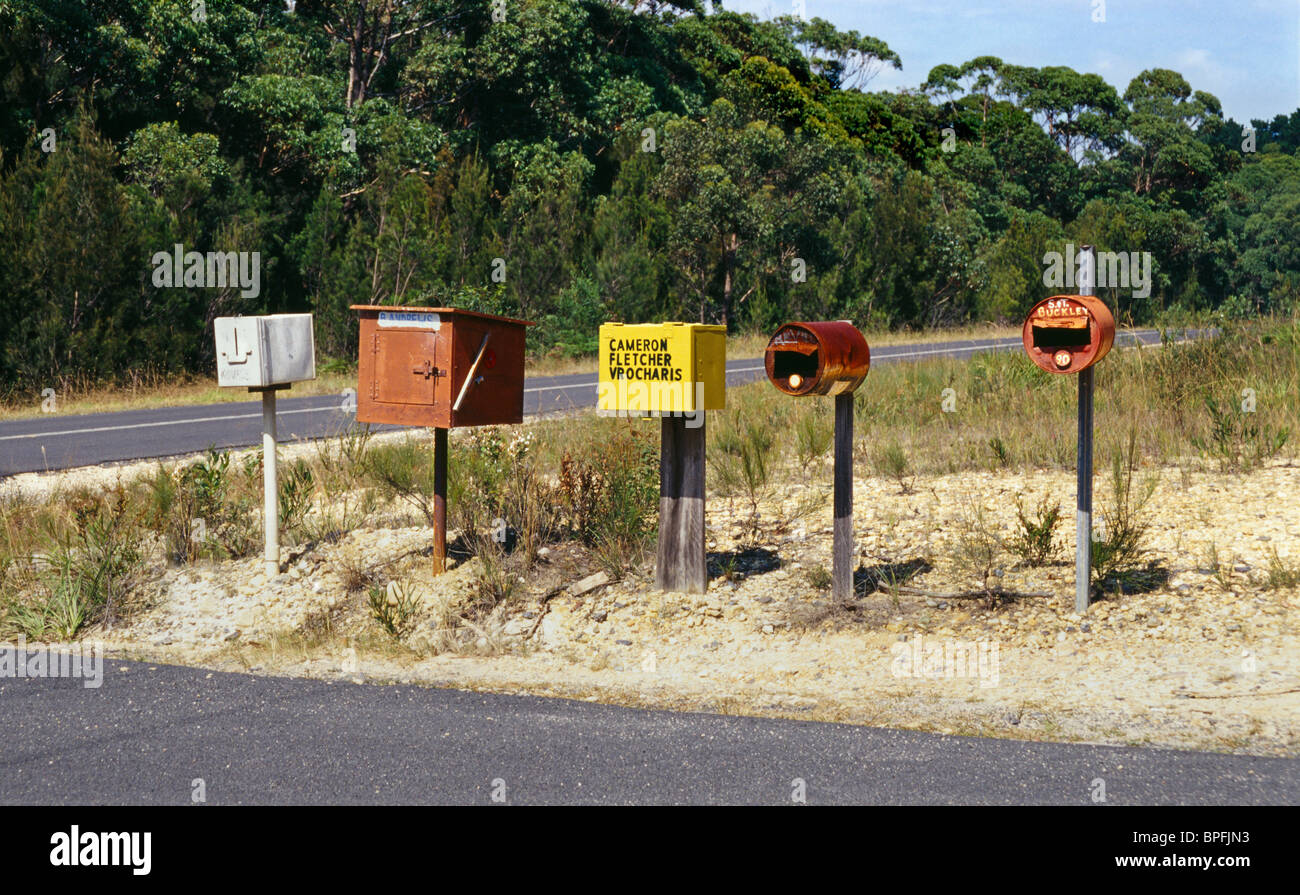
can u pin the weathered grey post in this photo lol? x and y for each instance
(1083, 514)
(842, 551)
(681, 563)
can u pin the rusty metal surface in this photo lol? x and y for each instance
(821, 358)
(1068, 333)
(413, 375)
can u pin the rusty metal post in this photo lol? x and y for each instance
(842, 550)
(439, 500)
(1083, 513)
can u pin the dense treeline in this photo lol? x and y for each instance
(573, 161)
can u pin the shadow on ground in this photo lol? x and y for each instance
(751, 561)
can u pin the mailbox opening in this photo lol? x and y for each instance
(1065, 334)
(796, 362)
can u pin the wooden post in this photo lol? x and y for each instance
(842, 559)
(681, 564)
(1083, 483)
(439, 501)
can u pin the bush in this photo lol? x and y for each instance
(206, 509)
(92, 571)
(1035, 542)
(744, 455)
(1122, 544)
(611, 500)
(396, 608)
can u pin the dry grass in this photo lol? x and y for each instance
(1183, 401)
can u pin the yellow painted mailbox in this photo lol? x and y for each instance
(662, 368)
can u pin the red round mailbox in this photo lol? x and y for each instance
(826, 358)
(1068, 333)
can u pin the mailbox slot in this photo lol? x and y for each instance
(1065, 334)
(823, 358)
(799, 360)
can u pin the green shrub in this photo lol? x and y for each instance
(1125, 519)
(1035, 541)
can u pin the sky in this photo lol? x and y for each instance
(1245, 52)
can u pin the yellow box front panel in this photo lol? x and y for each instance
(657, 368)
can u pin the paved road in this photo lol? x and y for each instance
(150, 730)
(59, 441)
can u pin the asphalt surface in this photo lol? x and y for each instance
(59, 441)
(149, 731)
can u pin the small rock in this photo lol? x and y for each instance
(588, 584)
(515, 627)
(600, 615)
(623, 642)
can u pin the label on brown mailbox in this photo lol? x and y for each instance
(1068, 333)
(439, 367)
(410, 320)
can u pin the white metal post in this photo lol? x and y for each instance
(270, 501)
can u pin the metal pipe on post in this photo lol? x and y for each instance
(1083, 513)
(842, 556)
(439, 500)
(270, 489)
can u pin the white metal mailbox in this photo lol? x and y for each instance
(259, 352)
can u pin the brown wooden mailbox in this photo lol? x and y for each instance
(444, 368)
(1068, 333)
(439, 367)
(828, 358)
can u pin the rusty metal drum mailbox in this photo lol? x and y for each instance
(827, 358)
(1068, 333)
(439, 367)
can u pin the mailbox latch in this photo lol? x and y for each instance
(427, 370)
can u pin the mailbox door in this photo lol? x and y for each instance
(240, 359)
(408, 367)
